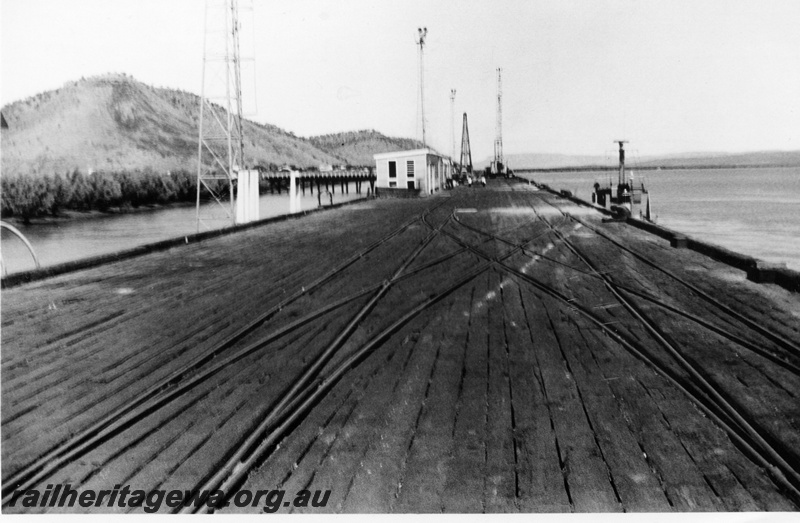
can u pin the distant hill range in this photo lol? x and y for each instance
(686, 160)
(114, 122)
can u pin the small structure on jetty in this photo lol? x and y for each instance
(325, 181)
(627, 194)
(421, 170)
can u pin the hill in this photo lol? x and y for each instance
(114, 122)
(549, 161)
(357, 147)
(750, 159)
(697, 160)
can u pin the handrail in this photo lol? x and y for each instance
(24, 240)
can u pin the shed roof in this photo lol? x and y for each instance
(401, 154)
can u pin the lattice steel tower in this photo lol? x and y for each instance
(220, 147)
(466, 152)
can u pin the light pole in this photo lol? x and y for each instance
(453, 122)
(422, 32)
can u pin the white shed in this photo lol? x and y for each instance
(420, 169)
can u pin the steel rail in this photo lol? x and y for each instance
(773, 357)
(64, 452)
(773, 457)
(788, 346)
(730, 419)
(311, 372)
(733, 411)
(264, 437)
(520, 247)
(497, 237)
(58, 458)
(772, 336)
(464, 245)
(686, 388)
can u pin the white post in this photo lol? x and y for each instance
(247, 197)
(254, 194)
(294, 197)
(242, 191)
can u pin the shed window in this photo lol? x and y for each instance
(410, 168)
(392, 169)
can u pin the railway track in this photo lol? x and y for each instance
(787, 360)
(776, 338)
(782, 461)
(185, 378)
(304, 397)
(788, 355)
(304, 393)
(343, 350)
(775, 457)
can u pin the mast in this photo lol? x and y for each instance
(422, 33)
(453, 122)
(498, 142)
(220, 137)
(621, 161)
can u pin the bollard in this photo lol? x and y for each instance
(678, 242)
(764, 272)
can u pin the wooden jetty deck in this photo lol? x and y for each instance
(495, 349)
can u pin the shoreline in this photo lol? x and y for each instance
(46, 271)
(589, 168)
(69, 215)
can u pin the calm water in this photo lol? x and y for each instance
(75, 239)
(752, 211)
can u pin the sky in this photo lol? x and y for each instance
(670, 77)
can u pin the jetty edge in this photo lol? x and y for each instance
(759, 271)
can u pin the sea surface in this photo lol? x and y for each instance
(752, 211)
(68, 240)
